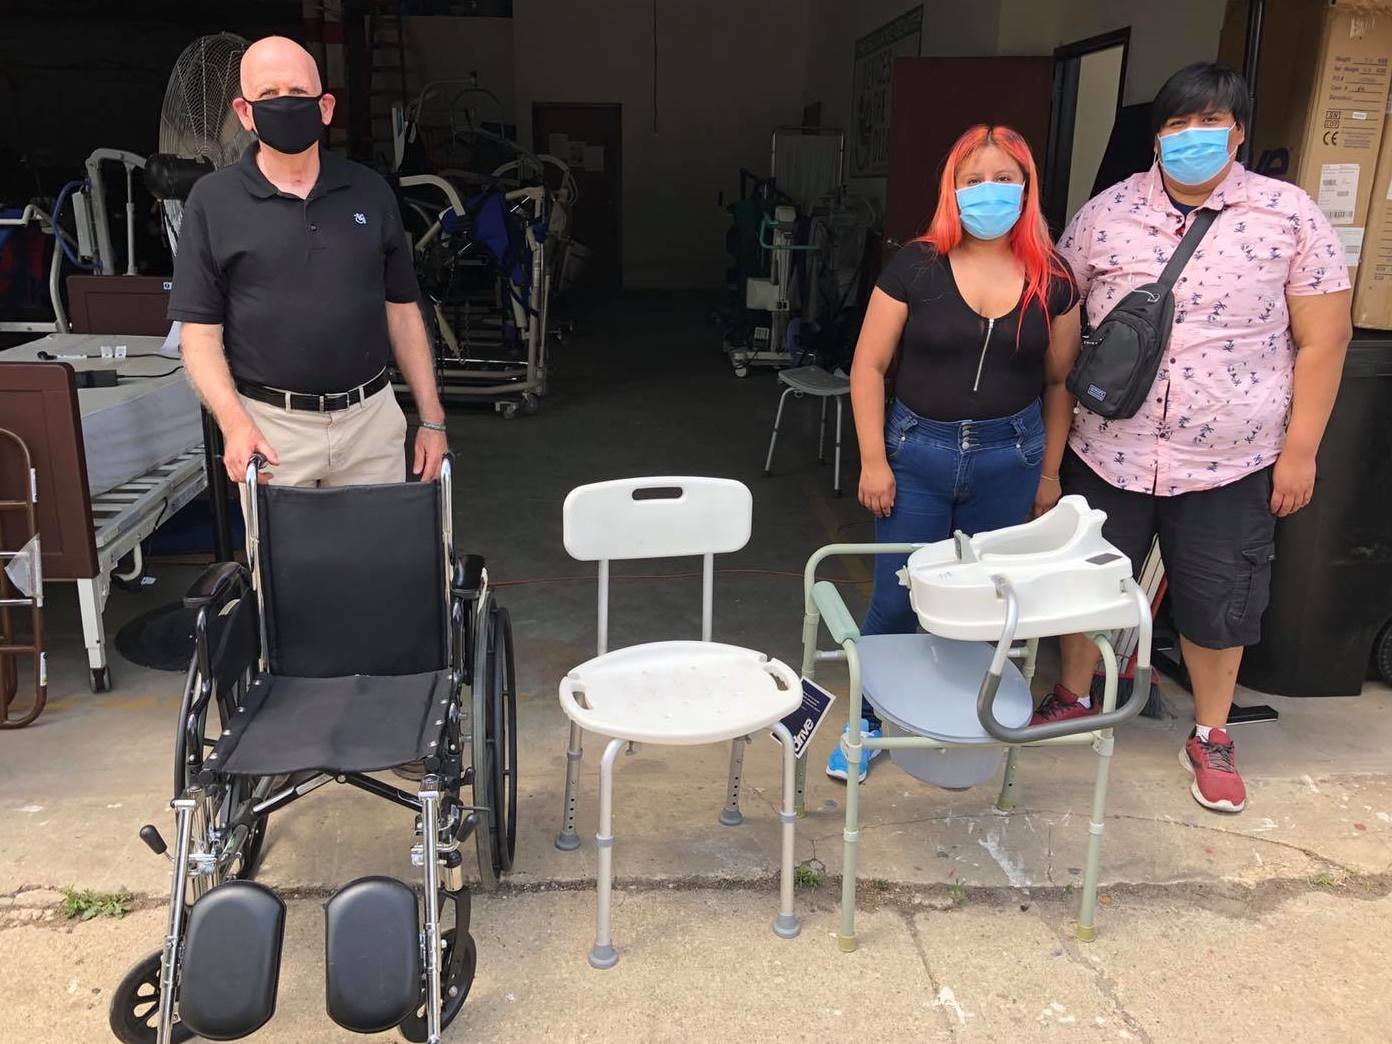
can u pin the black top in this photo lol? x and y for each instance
(953, 363)
(1183, 208)
(298, 285)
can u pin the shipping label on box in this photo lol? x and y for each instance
(1338, 192)
(1352, 238)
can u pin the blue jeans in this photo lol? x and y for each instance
(964, 475)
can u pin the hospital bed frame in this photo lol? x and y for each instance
(86, 537)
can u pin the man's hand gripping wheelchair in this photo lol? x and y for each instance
(356, 641)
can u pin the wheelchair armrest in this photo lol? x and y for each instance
(835, 615)
(213, 583)
(468, 575)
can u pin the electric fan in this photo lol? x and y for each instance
(198, 129)
(198, 133)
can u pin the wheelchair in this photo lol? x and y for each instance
(327, 660)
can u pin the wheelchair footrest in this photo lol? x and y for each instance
(231, 961)
(372, 954)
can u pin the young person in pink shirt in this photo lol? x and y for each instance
(1226, 440)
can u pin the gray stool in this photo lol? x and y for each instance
(817, 382)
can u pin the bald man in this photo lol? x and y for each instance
(294, 283)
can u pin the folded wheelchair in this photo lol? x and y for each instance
(357, 641)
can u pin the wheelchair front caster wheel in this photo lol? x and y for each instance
(741, 371)
(530, 404)
(508, 410)
(100, 680)
(134, 1012)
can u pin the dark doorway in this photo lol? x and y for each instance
(590, 139)
(1089, 81)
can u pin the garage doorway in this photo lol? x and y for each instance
(1089, 80)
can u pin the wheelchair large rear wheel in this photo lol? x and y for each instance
(493, 727)
(134, 1012)
(503, 730)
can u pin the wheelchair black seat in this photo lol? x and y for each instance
(361, 723)
(357, 640)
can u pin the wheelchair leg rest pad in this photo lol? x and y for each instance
(231, 961)
(372, 954)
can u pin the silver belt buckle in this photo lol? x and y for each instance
(288, 407)
(321, 403)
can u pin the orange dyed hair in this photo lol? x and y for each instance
(1029, 239)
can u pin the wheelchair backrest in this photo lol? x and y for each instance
(353, 579)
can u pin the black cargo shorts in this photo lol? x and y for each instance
(1218, 546)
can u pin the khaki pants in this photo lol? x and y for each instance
(362, 445)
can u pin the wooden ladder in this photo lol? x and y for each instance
(386, 46)
(11, 648)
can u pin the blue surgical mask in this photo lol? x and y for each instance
(990, 210)
(1195, 155)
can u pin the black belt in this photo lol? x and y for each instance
(329, 403)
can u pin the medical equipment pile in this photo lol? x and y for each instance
(798, 241)
(489, 223)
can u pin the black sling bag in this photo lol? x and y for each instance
(1121, 355)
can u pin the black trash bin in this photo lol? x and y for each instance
(1331, 584)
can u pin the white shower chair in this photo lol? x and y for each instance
(678, 692)
(819, 384)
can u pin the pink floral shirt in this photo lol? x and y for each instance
(1220, 403)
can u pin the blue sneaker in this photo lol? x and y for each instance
(836, 764)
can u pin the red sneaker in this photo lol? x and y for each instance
(1060, 705)
(1213, 764)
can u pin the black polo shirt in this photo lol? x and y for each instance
(298, 285)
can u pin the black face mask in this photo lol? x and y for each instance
(288, 124)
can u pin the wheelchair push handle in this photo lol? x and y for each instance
(254, 464)
(986, 697)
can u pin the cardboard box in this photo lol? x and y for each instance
(1372, 293)
(1323, 79)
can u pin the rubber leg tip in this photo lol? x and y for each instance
(1087, 933)
(846, 943)
(1005, 806)
(603, 957)
(567, 842)
(786, 926)
(731, 817)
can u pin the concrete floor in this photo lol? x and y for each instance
(1253, 927)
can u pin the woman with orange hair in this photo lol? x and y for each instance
(981, 315)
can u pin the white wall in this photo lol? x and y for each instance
(1164, 35)
(727, 74)
(950, 28)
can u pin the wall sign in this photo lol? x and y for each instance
(870, 88)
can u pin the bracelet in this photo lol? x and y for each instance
(1052, 478)
(433, 426)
